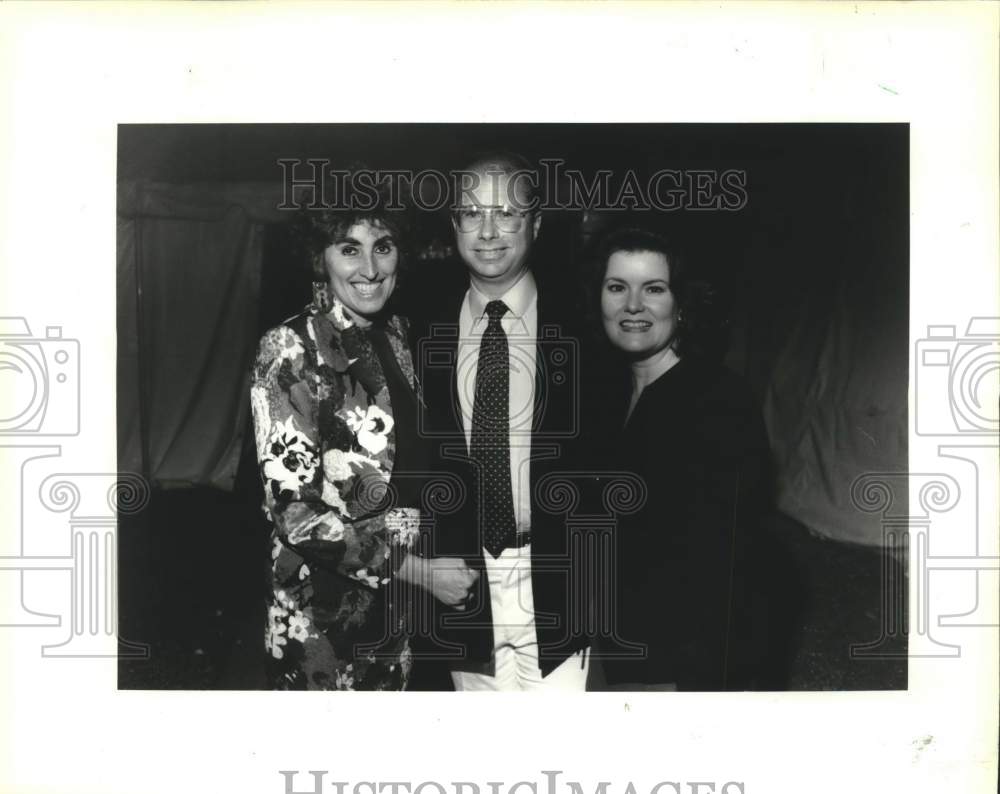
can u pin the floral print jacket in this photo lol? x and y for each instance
(323, 427)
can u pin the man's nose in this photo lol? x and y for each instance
(488, 230)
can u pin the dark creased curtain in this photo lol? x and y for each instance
(836, 404)
(189, 263)
(128, 393)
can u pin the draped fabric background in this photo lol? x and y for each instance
(189, 262)
(835, 395)
(835, 406)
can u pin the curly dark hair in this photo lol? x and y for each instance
(315, 230)
(701, 327)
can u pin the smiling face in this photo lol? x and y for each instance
(361, 267)
(497, 258)
(637, 307)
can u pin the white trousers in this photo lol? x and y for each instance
(514, 665)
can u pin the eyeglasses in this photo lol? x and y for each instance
(505, 219)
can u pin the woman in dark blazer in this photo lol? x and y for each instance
(683, 591)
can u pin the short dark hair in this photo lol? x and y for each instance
(315, 230)
(700, 328)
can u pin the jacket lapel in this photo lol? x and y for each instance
(436, 366)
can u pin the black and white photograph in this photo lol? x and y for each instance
(707, 355)
(635, 364)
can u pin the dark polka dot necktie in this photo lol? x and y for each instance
(490, 442)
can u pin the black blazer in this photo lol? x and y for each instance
(559, 599)
(689, 560)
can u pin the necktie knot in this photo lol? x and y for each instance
(495, 310)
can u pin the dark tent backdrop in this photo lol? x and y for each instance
(815, 267)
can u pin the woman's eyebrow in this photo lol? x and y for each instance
(644, 283)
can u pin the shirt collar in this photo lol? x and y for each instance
(518, 298)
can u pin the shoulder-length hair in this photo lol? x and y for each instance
(701, 328)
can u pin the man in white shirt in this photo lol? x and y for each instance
(524, 629)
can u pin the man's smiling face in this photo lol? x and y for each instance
(496, 258)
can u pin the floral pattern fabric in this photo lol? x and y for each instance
(325, 440)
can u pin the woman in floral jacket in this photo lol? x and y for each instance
(335, 404)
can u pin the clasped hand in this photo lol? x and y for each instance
(451, 580)
(448, 579)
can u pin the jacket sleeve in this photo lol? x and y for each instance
(720, 640)
(301, 462)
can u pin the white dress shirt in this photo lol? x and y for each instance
(520, 324)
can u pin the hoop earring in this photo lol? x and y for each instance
(321, 296)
